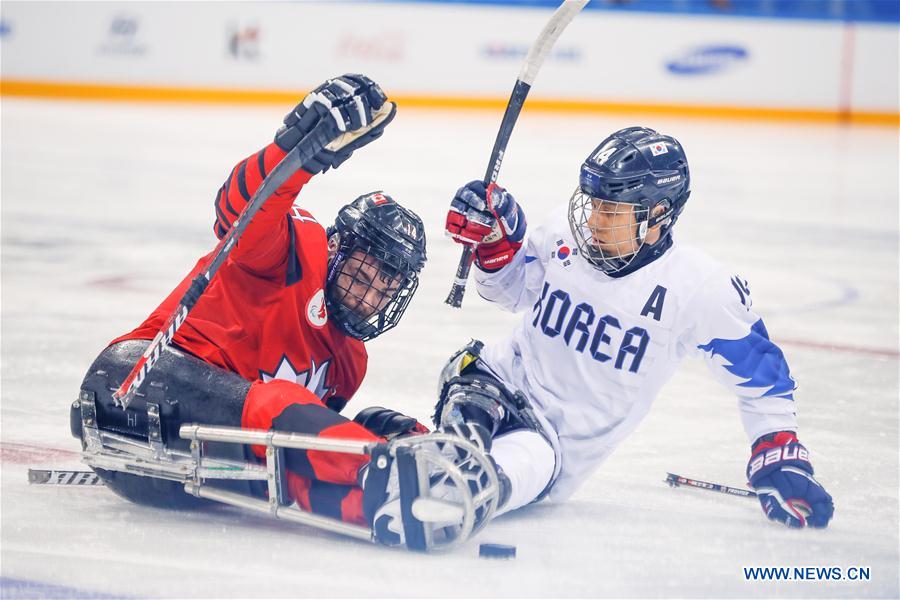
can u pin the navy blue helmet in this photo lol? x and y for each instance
(378, 252)
(635, 166)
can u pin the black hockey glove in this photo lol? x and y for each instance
(388, 423)
(356, 110)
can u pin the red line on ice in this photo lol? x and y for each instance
(841, 347)
(24, 454)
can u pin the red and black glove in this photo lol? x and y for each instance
(496, 229)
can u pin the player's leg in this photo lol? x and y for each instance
(189, 390)
(322, 482)
(287, 406)
(477, 404)
(186, 390)
(528, 462)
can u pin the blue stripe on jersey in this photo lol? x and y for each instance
(529, 259)
(756, 359)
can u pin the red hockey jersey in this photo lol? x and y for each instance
(263, 315)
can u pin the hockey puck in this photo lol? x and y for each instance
(496, 551)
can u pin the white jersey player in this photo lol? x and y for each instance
(611, 306)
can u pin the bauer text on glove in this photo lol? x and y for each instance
(780, 472)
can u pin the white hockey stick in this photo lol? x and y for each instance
(536, 55)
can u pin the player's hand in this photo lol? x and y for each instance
(780, 472)
(496, 229)
(388, 423)
(353, 108)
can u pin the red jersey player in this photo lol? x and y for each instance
(276, 340)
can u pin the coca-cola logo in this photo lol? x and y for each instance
(387, 46)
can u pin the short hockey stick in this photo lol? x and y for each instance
(677, 481)
(63, 477)
(536, 55)
(307, 148)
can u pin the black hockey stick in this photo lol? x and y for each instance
(306, 149)
(63, 477)
(536, 55)
(677, 481)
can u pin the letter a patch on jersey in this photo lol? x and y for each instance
(654, 305)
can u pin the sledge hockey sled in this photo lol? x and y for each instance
(419, 463)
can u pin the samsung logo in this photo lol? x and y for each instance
(707, 60)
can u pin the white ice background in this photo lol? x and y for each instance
(105, 207)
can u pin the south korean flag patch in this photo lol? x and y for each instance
(563, 253)
(659, 148)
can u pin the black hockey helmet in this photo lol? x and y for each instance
(634, 166)
(378, 252)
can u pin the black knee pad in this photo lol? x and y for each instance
(473, 403)
(186, 390)
(471, 395)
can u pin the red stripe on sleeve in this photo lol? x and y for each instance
(264, 243)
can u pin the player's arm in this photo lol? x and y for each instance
(507, 273)
(735, 345)
(357, 109)
(265, 241)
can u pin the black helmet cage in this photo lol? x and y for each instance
(635, 167)
(374, 271)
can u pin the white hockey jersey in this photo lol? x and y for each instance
(593, 351)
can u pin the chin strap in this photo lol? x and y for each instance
(645, 256)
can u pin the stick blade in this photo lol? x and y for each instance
(63, 477)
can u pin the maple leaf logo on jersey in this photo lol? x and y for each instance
(313, 379)
(298, 214)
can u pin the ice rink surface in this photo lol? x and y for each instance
(105, 207)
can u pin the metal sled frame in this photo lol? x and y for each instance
(419, 461)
